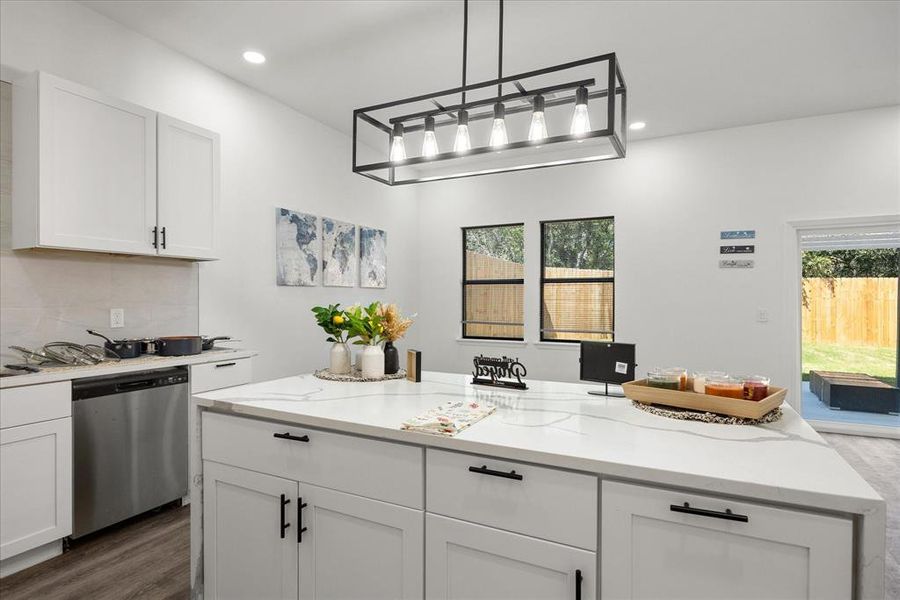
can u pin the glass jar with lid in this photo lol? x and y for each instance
(701, 377)
(755, 387)
(724, 385)
(663, 378)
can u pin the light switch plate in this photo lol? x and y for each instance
(762, 315)
(116, 318)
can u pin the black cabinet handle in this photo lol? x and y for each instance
(578, 580)
(483, 470)
(284, 526)
(702, 512)
(288, 436)
(300, 528)
(156, 237)
(163, 232)
(219, 366)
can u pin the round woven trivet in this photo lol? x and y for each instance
(683, 414)
(355, 376)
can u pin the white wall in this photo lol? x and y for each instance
(670, 199)
(271, 156)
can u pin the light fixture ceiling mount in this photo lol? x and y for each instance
(569, 113)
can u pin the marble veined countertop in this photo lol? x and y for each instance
(129, 365)
(559, 424)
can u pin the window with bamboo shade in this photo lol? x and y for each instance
(493, 282)
(578, 280)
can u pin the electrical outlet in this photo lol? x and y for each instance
(762, 315)
(116, 318)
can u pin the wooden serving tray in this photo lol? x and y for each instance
(639, 391)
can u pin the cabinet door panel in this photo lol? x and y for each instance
(775, 554)
(244, 555)
(359, 549)
(465, 561)
(35, 485)
(97, 170)
(188, 188)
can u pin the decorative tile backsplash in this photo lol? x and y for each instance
(54, 295)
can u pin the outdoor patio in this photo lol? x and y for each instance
(815, 410)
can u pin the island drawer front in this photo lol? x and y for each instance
(546, 503)
(705, 546)
(221, 374)
(35, 403)
(370, 468)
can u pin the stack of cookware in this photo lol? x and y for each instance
(180, 345)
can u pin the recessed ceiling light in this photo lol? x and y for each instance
(252, 56)
(637, 125)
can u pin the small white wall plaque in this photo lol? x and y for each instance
(736, 264)
(738, 234)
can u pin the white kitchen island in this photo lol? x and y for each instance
(306, 488)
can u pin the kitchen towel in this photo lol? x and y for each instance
(449, 418)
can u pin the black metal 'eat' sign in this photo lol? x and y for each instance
(499, 372)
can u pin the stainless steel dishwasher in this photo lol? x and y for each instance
(130, 445)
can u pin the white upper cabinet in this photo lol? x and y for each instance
(84, 169)
(92, 172)
(188, 189)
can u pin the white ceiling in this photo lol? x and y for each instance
(689, 66)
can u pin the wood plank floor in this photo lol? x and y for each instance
(146, 557)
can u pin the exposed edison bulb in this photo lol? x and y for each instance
(498, 129)
(538, 129)
(398, 148)
(462, 144)
(429, 144)
(581, 123)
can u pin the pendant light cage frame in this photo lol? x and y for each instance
(559, 87)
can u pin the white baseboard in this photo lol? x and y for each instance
(884, 431)
(29, 558)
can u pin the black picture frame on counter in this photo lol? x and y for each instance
(607, 362)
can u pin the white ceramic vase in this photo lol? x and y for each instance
(372, 361)
(340, 359)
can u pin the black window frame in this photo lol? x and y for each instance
(544, 280)
(466, 282)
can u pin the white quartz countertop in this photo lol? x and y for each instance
(141, 363)
(559, 424)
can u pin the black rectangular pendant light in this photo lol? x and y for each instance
(570, 113)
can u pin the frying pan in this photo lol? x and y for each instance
(180, 345)
(210, 342)
(122, 348)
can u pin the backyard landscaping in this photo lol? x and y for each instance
(879, 362)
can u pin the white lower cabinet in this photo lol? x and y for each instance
(659, 543)
(35, 485)
(266, 537)
(246, 551)
(464, 561)
(355, 548)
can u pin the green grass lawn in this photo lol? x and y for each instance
(872, 360)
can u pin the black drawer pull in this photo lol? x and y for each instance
(485, 471)
(219, 366)
(727, 515)
(578, 580)
(300, 528)
(288, 436)
(284, 526)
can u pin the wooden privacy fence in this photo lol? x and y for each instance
(566, 305)
(856, 311)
